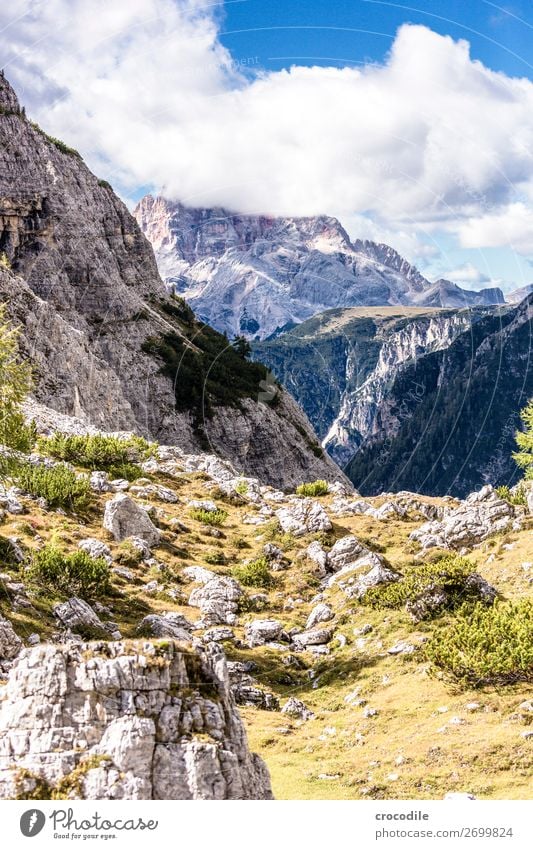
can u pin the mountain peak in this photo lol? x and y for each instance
(8, 99)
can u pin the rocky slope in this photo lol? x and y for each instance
(337, 693)
(253, 275)
(108, 343)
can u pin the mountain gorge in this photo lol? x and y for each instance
(107, 342)
(256, 275)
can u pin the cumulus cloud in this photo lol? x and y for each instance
(468, 274)
(512, 225)
(429, 139)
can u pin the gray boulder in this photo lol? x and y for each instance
(262, 631)
(303, 516)
(124, 518)
(218, 601)
(172, 625)
(477, 517)
(320, 613)
(95, 548)
(79, 617)
(10, 644)
(345, 553)
(296, 708)
(315, 637)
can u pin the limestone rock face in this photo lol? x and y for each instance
(10, 644)
(124, 518)
(136, 721)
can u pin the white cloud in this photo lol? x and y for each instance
(512, 225)
(468, 274)
(431, 139)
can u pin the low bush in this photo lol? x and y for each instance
(215, 558)
(518, 497)
(256, 573)
(58, 485)
(208, 517)
(448, 575)
(313, 489)
(487, 645)
(73, 574)
(96, 451)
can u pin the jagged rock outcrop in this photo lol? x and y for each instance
(105, 339)
(256, 274)
(124, 721)
(481, 514)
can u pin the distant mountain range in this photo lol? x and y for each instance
(255, 275)
(412, 398)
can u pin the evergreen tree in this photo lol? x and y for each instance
(242, 347)
(15, 383)
(524, 440)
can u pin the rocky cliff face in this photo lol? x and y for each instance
(254, 275)
(426, 401)
(456, 431)
(340, 365)
(141, 720)
(108, 343)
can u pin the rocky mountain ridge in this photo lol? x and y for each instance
(254, 275)
(107, 342)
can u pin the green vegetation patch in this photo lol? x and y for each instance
(487, 645)
(256, 573)
(208, 517)
(58, 485)
(97, 451)
(313, 489)
(75, 573)
(447, 576)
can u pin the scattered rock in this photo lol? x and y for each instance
(95, 548)
(218, 601)
(295, 707)
(10, 644)
(262, 631)
(124, 518)
(345, 553)
(78, 617)
(318, 555)
(321, 613)
(480, 515)
(172, 625)
(316, 637)
(303, 516)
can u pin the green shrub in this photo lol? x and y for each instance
(96, 451)
(254, 574)
(73, 574)
(128, 555)
(59, 485)
(449, 574)
(128, 471)
(313, 489)
(208, 517)
(241, 487)
(487, 645)
(215, 558)
(518, 497)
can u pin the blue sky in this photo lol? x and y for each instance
(412, 124)
(308, 32)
